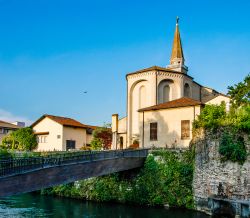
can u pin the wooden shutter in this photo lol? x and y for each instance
(185, 129)
(153, 131)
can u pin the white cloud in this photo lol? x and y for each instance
(9, 117)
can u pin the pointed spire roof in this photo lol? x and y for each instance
(177, 52)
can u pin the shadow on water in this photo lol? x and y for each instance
(35, 205)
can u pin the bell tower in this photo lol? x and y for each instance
(177, 57)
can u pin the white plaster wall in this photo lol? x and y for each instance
(77, 134)
(135, 100)
(122, 125)
(194, 88)
(150, 80)
(169, 126)
(114, 122)
(89, 138)
(175, 86)
(54, 129)
(219, 99)
(134, 82)
(196, 91)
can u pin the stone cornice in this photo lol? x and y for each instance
(155, 70)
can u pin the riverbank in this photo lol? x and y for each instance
(165, 180)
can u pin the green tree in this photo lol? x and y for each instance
(240, 92)
(211, 117)
(102, 138)
(22, 139)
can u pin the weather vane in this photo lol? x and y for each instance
(177, 20)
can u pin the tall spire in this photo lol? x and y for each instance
(177, 58)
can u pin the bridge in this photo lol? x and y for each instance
(21, 175)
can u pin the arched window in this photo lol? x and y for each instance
(166, 93)
(142, 97)
(187, 90)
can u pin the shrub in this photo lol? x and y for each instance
(4, 153)
(166, 178)
(232, 148)
(211, 117)
(102, 138)
(22, 139)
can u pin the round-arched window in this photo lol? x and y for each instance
(166, 93)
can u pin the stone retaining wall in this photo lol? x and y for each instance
(210, 173)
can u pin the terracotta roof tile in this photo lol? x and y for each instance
(65, 121)
(181, 102)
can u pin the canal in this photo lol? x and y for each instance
(35, 205)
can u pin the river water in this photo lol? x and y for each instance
(35, 205)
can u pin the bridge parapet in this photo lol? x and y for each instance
(15, 166)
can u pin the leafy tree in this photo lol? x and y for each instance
(211, 117)
(240, 93)
(22, 139)
(102, 138)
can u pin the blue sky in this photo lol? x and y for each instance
(51, 51)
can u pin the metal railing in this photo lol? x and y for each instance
(13, 166)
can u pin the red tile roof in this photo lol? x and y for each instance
(65, 121)
(8, 125)
(181, 102)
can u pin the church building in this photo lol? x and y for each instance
(162, 103)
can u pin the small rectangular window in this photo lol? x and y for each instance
(185, 129)
(153, 131)
(58, 136)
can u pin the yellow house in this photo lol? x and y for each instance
(61, 133)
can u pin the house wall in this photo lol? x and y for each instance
(122, 125)
(169, 127)
(54, 138)
(89, 138)
(73, 133)
(219, 99)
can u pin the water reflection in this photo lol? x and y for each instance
(34, 205)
